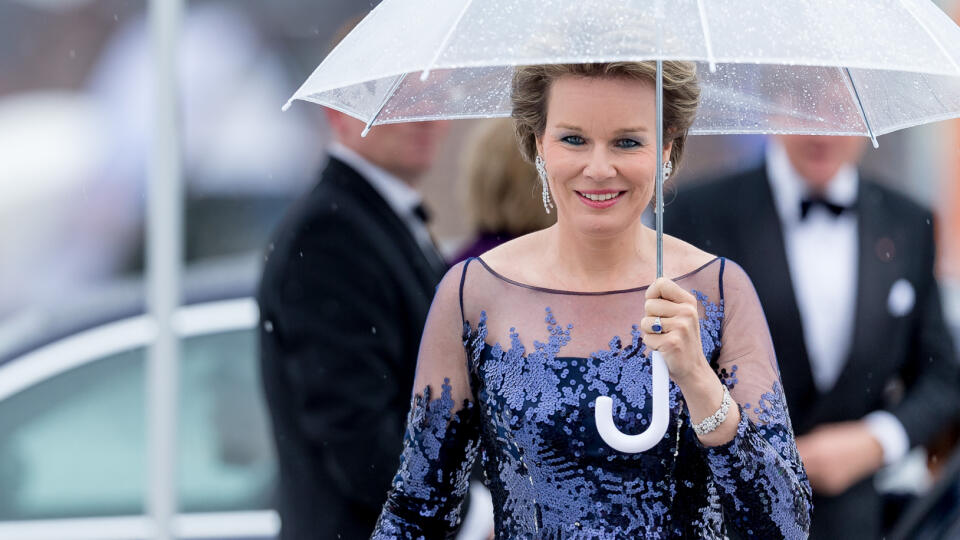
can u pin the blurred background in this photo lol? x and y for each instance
(76, 94)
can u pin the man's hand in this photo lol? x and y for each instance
(836, 456)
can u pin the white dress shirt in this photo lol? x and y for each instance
(401, 198)
(822, 253)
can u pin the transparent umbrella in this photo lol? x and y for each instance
(764, 67)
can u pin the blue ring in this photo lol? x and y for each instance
(657, 326)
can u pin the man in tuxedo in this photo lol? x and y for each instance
(844, 269)
(344, 296)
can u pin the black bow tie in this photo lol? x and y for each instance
(836, 209)
(421, 212)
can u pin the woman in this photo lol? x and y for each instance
(554, 319)
(500, 189)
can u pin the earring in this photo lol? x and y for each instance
(542, 173)
(667, 170)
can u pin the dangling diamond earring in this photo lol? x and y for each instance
(667, 170)
(542, 173)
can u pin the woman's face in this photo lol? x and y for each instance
(599, 146)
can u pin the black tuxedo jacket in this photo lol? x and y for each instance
(904, 364)
(343, 300)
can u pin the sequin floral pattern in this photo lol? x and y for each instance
(550, 474)
(431, 495)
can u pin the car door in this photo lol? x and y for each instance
(73, 455)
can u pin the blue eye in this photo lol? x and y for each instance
(574, 140)
(628, 143)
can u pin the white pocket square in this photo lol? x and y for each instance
(902, 298)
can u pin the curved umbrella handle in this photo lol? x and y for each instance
(660, 416)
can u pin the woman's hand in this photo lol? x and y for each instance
(679, 340)
(679, 343)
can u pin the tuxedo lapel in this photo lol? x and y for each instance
(877, 268)
(765, 258)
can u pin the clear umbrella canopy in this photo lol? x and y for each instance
(831, 67)
(827, 67)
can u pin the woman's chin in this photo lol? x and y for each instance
(605, 226)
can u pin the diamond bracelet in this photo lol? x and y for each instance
(713, 421)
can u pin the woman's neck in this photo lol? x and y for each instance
(598, 263)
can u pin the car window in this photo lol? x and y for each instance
(226, 459)
(75, 444)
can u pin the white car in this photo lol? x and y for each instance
(73, 431)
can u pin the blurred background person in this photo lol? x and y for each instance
(239, 178)
(76, 126)
(346, 288)
(850, 262)
(502, 189)
(76, 98)
(343, 300)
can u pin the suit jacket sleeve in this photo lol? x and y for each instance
(931, 373)
(336, 319)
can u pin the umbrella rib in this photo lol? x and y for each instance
(386, 98)
(706, 35)
(852, 88)
(936, 40)
(446, 39)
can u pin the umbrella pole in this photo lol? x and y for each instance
(659, 179)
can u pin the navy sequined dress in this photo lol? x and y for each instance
(510, 373)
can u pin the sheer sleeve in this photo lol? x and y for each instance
(762, 485)
(442, 433)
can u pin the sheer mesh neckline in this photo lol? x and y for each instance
(583, 293)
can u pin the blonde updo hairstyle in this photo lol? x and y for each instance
(531, 89)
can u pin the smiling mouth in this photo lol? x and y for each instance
(601, 197)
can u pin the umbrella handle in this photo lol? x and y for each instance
(660, 415)
(660, 391)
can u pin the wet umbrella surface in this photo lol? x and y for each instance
(816, 67)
